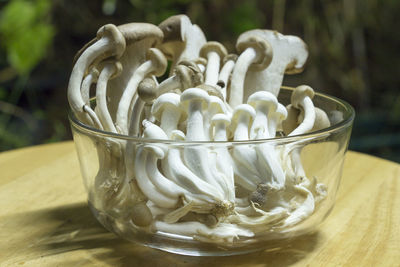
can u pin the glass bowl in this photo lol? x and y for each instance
(112, 166)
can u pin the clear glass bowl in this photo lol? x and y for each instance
(107, 164)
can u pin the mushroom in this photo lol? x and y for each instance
(245, 157)
(256, 53)
(182, 39)
(201, 63)
(265, 105)
(195, 101)
(224, 162)
(321, 119)
(221, 233)
(214, 52)
(186, 75)
(109, 42)
(140, 37)
(301, 99)
(291, 121)
(275, 119)
(215, 106)
(156, 64)
(290, 56)
(296, 116)
(166, 109)
(225, 73)
(175, 169)
(110, 68)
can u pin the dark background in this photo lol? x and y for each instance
(354, 54)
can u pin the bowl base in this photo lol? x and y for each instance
(187, 246)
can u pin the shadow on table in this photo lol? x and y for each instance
(72, 228)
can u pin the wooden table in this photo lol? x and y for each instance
(45, 221)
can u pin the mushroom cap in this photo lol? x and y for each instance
(260, 45)
(194, 94)
(117, 67)
(167, 100)
(159, 61)
(240, 110)
(263, 98)
(178, 135)
(136, 31)
(189, 74)
(117, 42)
(213, 46)
(221, 117)
(291, 50)
(147, 89)
(211, 90)
(300, 93)
(291, 121)
(171, 27)
(218, 103)
(281, 112)
(232, 57)
(201, 60)
(157, 151)
(152, 131)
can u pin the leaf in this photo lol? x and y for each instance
(26, 33)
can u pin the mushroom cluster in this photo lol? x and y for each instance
(208, 192)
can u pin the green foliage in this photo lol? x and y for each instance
(244, 16)
(26, 33)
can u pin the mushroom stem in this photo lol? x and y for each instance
(309, 117)
(224, 75)
(101, 95)
(155, 64)
(168, 85)
(169, 121)
(176, 170)
(244, 155)
(86, 84)
(238, 75)
(110, 43)
(223, 158)
(145, 184)
(212, 69)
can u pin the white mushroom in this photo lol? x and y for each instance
(290, 55)
(186, 75)
(182, 39)
(109, 42)
(214, 52)
(222, 233)
(265, 105)
(225, 73)
(223, 159)
(301, 99)
(216, 105)
(156, 64)
(255, 52)
(175, 169)
(110, 69)
(166, 109)
(245, 157)
(195, 101)
(139, 37)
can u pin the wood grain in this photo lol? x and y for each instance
(45, 221)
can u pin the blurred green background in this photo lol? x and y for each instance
(354, 54)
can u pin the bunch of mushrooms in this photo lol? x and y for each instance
(207, 192)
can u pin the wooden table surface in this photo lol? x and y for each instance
(45, 220)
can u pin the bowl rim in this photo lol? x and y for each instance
(346, 122)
